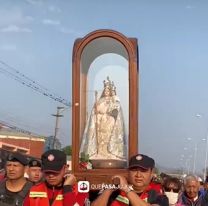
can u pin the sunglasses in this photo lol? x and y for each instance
(175, 190)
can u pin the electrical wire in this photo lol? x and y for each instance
(17, 129)
(13, 73)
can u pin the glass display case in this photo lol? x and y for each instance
(105, 105)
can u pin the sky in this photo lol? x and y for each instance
(37, 37)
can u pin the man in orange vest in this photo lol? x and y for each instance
(137, 189)
(57, 189)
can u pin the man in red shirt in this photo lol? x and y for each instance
(57, 189)
(138, 190)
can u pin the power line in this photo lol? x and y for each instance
(11, 119)
(17, 129)
(13, 73)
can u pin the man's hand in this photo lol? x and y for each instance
(70, 179)
(123, 182)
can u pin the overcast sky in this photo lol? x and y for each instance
(37, 37)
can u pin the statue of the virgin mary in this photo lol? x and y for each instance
(104, 135)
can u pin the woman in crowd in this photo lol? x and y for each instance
(172, 188)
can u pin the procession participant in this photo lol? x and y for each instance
(57, 189)
(15, 187)
(172, 188)
(137, 190)
(34, 171)
(191, 194)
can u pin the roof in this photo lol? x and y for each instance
(9, 133)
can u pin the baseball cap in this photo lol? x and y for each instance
(17, 157)
(34, 163)
(141, 161)
(53, 160)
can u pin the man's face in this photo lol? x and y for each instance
(140, 178)
(35, 174)
(14, 170)
(53, 178)
(192, 188)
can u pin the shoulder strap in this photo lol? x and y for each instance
(5, 199)
(3, 187)
(152, 195)
(25, 189)
(113, 197)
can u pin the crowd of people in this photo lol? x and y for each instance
(48, 183)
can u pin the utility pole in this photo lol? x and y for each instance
(57, 115)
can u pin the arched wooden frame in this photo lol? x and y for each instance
(130, 45)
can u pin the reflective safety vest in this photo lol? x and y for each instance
(150, 195)
(39, 197)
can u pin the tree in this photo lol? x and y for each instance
(67, 150)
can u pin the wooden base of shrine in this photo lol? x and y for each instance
(108, 164)
(97, 177)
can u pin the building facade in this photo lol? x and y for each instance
(27, 144)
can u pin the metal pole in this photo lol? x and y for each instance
(195, 153)
(206, 151)
(57, 115)
(187, 166)
(205, 169)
